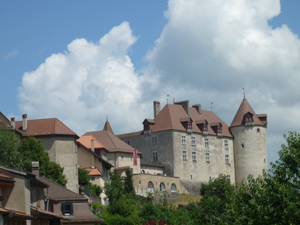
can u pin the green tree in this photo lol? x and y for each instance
(128, 183)
(83, 177)
(114, 189)
(9, 144)
(211, 208)
(274, 197)
(31, 150)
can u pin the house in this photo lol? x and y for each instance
(121, 155)
(58, 140)
(23, 199)
(92, 156)
(196, 145)
(73, 207)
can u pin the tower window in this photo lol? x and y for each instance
(242, 146)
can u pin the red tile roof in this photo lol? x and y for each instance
(244, 108)
(108, 127)
(171, 116)
(86, 141)
(111, 142)
(41, 127)
(93, 171)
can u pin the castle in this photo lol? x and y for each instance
(196, 145)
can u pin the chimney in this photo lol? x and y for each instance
(35, 167)
(185, 105)
(197, 107)
(93, 145)
(24, 122)
(12, 122)
(156, 107)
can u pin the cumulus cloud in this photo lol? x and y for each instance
(87, 82)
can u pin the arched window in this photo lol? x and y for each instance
(173, 188)
(150, 186)
(162, 186)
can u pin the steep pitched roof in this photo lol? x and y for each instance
(111, 142)
(42, 127)
(108, 127)
(172, 115)
(244, 108)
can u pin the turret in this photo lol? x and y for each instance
(249, 144)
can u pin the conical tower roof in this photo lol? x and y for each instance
(107, 127)
(245, 107)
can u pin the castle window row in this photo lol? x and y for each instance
(162, 187)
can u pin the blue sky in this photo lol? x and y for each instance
(80, 61)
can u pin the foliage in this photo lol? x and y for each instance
(9, 144)
(33, 150)
(211, 208)
(115, 188)
(128, 184)
(83, 177)
(95, 189)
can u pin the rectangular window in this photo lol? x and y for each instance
(194, 156)
(193, 141)
(155, 156)
(184, 158)
(226, 144)
(227, 159)
(67, 208)
(92, 178)
(206, 143)
(127, 142)
(154, 141)
(183, 140)
(207, 156)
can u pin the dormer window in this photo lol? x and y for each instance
(147, 126)
(203, 126)
(187, 123)
(217, 128)
(67, 208)
(248, 119)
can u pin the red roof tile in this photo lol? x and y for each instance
(93, 171)
(111, 142)
(86, 141)
(42, 127)
(244, 108)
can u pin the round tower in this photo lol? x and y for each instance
(249, 143)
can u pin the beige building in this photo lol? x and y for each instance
(58, 140)
(196, 145)
(121, 155)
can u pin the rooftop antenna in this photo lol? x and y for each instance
(211, 106)
(244, 93)
(167, 99)
(106, 117)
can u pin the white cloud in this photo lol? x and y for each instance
(86, 83)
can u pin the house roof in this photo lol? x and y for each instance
(244, 108)
(111, 142)
(57, 192)
(172, 116)
(86, 141)
(16, 213)
(42, 127)
(4, 120)
(93, 171)
(83, 215)
(37, 212)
